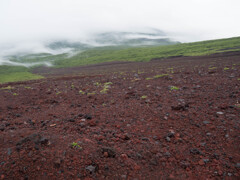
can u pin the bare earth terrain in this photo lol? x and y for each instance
(176, 118)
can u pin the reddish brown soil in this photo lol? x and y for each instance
(134, 129)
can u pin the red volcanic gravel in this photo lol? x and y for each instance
(165, 119)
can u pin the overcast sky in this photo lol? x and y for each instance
(184, 20)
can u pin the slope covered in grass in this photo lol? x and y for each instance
(117, 53)
(99, 55)
(16, 73)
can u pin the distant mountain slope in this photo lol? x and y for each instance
(63, 49)
(115, 53)
(107, 54)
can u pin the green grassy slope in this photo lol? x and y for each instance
(119, 53)
(99, 55)
(16, 73)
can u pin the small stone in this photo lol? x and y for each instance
(126, 137)
(2, 128)
(184, 164)
(106, 168)
(171, 176)
(168, 139)
(171, 133)
(111, 152)
(145, 139)
(209, 134)
(18, 115)
(44, 141)
(124, 176)
(91, 168)
(201, 162)
(237, 165)
(57, 163)
(226, 136)
(82, 124)
(88, 116)
(92, 123)
(205, 160)
(124, 156)
(220, 113)
(216, 156)
(71, 120)
(105, 154)
(206, 122)
(9, 151)
(229, 174)
(195, 151)
(168, 154)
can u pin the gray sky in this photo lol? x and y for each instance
(184, 20)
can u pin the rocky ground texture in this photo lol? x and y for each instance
(176, 118)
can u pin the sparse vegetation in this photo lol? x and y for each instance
(91, 93)
(75, 145)
(121, 53)
(211, 68)
(7, 88)
(157, 76)
(106, 87)
(81, 92)
(57, 93)
(107, 54)
(174, 88)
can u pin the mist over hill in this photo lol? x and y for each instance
(45, 52)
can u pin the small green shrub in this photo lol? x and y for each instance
(75, 145)
(174, 88)
(7, 88)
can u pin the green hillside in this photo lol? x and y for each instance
(117, 53)
(99, 55)
(16, 73)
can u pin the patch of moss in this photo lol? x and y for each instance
(174, 88)
(18, 76)
(212, 68)
(92, 93)
(160, 75)
(7, 88)
(106, 87)
(75, 145)
(57, 93)
(97, 84)
(157, 76)
(81, 92)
